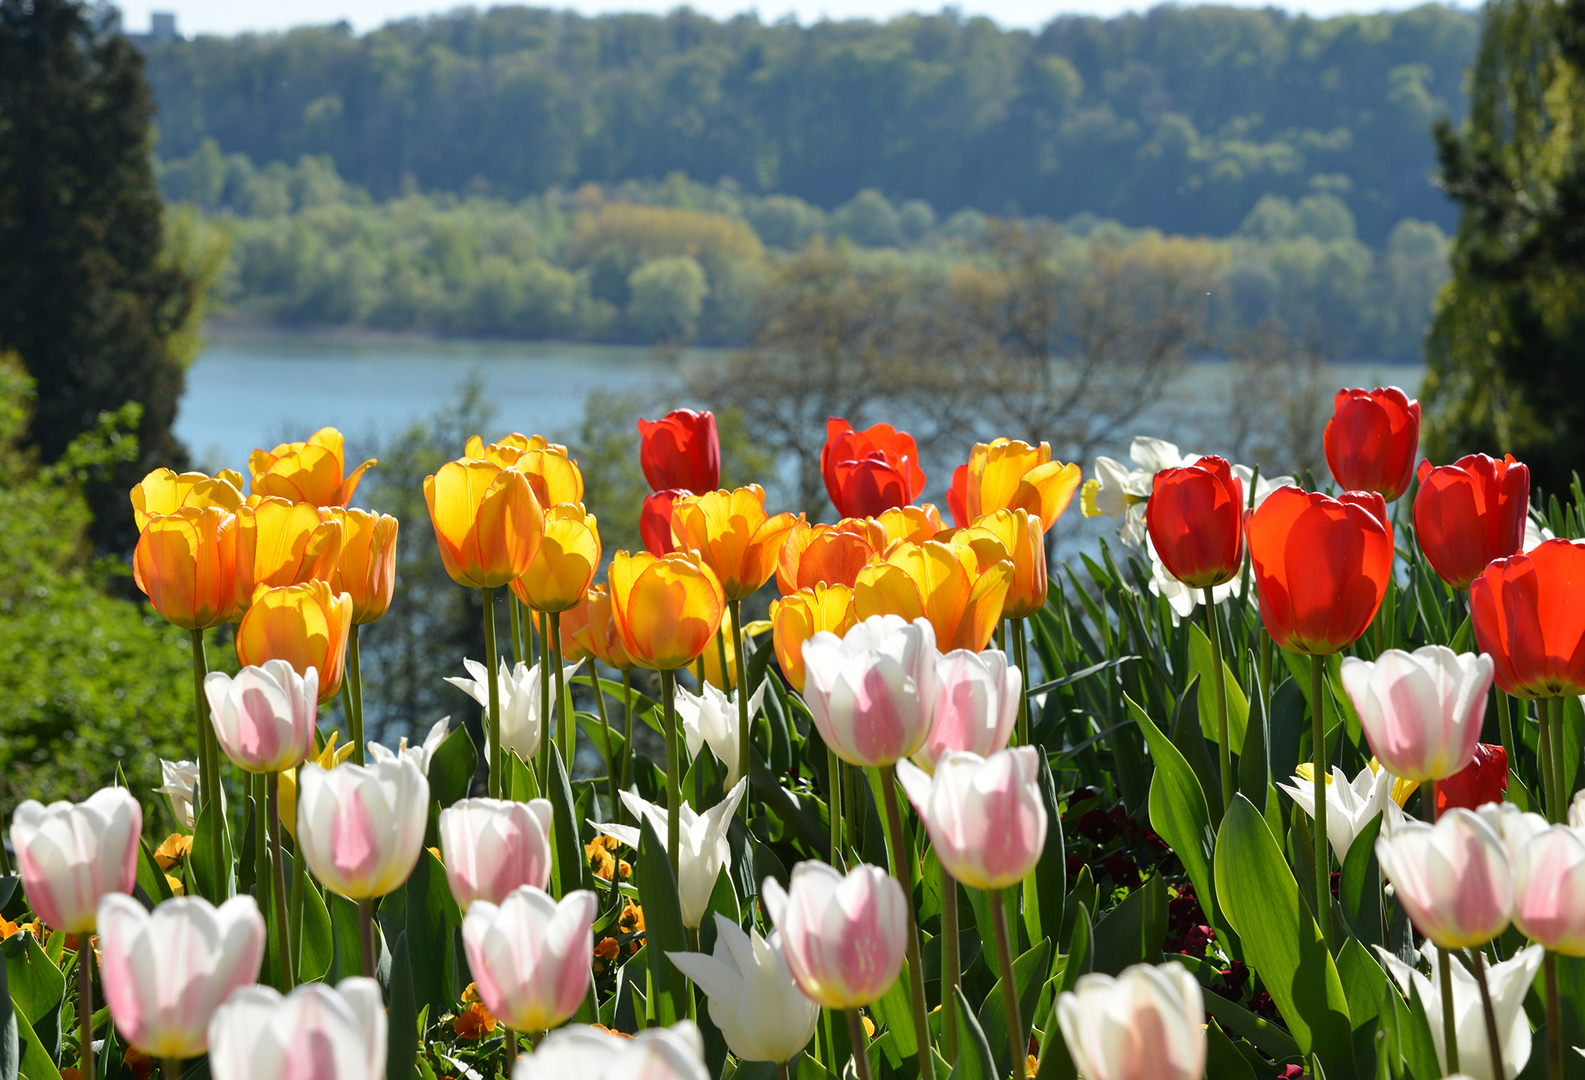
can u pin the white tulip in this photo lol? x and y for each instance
(1147, 1022)
(522, 713)
(712, 717)
(314, 1031)
(421, 754)
(1508, 983)
(264, 716)
(753, 998)
(70, 854)
(181, 787)
(1421, 711)
(702, 838)
(361, 827)
(1181, 597)
(1349, 806)
(582, 1052)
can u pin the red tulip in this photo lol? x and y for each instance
(681, 450)
(654, 520)
(1371, 440)
(868, 472)
(1321, 565)
(1195, 517)
(958, 497)
(1527, 615)
(1470, 513)
(1483, 780)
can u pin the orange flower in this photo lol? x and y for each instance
(568, 556)
(474, 1022)
(366, 570)
(828, 554)
(309, 472)
(305, 625)
(588, 630)
(738, 540)
(797, 617)
(553, 475)
(165, 492)
(487, 521)
(506, 450)
(1007, 475)
(283, 543)
(172, 850)
(958, 583)
(666, 609)
(1021, 534)
(913, 523)
(186, 564)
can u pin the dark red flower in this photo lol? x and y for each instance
(1371, 440)
(868, 472)
(680, 450)
(1528, 616)
(1470, 513)
(1196, 520)
(1483, 780)
(654, 520)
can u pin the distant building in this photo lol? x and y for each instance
(162, 30)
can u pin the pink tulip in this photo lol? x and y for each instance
(264, 716)
(491, 847)
(1146, 1024)
(71, 854)
(313, 1033)
(1421, 711)
(1453, 878)
(844, 936)
(586, 1052)
(975, 707)
(985, 817)
(1549, 881)
(872, 692)
(361, 826)
(165, 973)
(530, 956)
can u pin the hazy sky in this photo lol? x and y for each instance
(233, 16)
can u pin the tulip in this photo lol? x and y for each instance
(71, 854)
(1021, 535)
(283, 543)
(522, 712)
(366, 570)
(307, 472)
(1452, 878)
(304, 625)
(1484, 780)
(869, 471)
(1195, 519)
(959, 584)
(508, 448)
(1507, 982)
(587, 1052)
(1005, 474)
(564, 566)
(976, 704)
(164, 492)
(1549, 887)
(313, 1033)
(843, 937)
(1471, 513)
(702, 848)
(1183, 599)
(167, 971)
(421, 754)
(186, 564)
(871, 692)
(680, 450)
(487, 521)
(712, 717)
(654, 520)
(1371, 440)
(1526, 616)
(666, 609)
(264, 716)
(827, 554)
(916, 524)
(360, 827)
(798, 617)
(180, 785)
(734, 534)
(1349, 806)
(985, 817)
(530, 956)
(491, 847)
(552, 474)
(1147, 1022)
(958, 497)
(1421, 711)
(329, 756)
(588, 630)
(753, 998)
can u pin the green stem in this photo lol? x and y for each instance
(1560, 773)
(834, 804)
(171, 1069)
(366, 936)
(745, 741)
(299, 893)
(1544, 763)
(1004, 956)
(545, 734)
(668, 705)
(1323, 848)
(1505, 727)
(1554, 1019)
(860, 1041)
(1492, 1039)
(902, 871)
(1444, 961)
(515, 617)
(278, 881)
(511, 1051)
(1021, 658)
(627, 743)
(781, 1071)
(1224, 750)
(355, 681)
(565, 726)
(209, 770)
(492, 678)
(852, 777)
(261, 833)
(605, 726)
(85, 1005)
(951, 961)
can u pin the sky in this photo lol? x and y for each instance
(236, 16)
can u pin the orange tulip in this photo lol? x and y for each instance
(667, 609)
(915, 524)
(738, 540)
(828, 554)
(589, 630)
(306, 625)
(1007, 475)
(959, 584)
(165, 492)
(1021, 534)
(487, 522)
(553, 475)
(507, 449)
(366, 570)
(309, 472)
(568, 556)
(283, 543)
(186, 564)
(797, 617)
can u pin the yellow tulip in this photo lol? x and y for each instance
(564, 566)
(328, 758)
(667, 609)
(165, 492)
(487, 522)
(731, 530)
(310, 472)
(959, 584)
(913, 523)
(186, 564)
(283, 543)
(505, 451)
(1008, 475)
(797, 617)
(1021, 534)
(588, 629)
(553, 475)
(827, 554)
(366, 570)
(305, 625)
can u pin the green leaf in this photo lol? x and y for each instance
(663, 931)
(895, 1010)
(1237, 704)
(1081, 897)
(1081, 954)
(1029, 976)
(401, 1038)
(1046, 887)
(10, 1048)
(200, 863)
(1261, 1033)
(1363, 982)
(1196, 752)
(519, 779)
(452, 767)
(1254, 757)
(432, 916)
(150, 877)
(574, 872)
(1132, 932)
(974, 1052)
(348, 956)
(1222, 1059)
(36, 985)
(36, 1063)
(317, 951)
(1289, 722)
(1360, 887)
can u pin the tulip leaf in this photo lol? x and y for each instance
(431, 917)
(36, 1063)
(1360, 888)
(1132, 932)
(36, 984)
(1261, 901)
(150, 877)
(1408, 1033)
(1046, 887)
(895, 1010)
(1571, 993)
(663, 931)
(452, 766)
(1363, 981)
(1261, 1033)
(573, 868)
(10, 1047)
(317, 951)
(1254, 757)
(1080, 898)
(519, 779)
(975, 1061)
(401, 1033)
(247, 860)
(1289, 722)
(1237, 704)
(723, 901)
(1081, 953)
(201, 861)
(1029, 977)
(596, 731)
(796, 812)
(1222, 1059)
(348, 956)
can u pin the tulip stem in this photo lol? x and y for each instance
(355, 694)
(1224, 749)
(543, 622)
(209, 770)
(366, 935)
(1560, 776)
(85, 1004)
(627, 742)
(492, 679)
(272, 783)
(1505, 727)
(861, 1048)
(781, 1071)
(1543, 760)
(834, 804)
(299, 890)
(668, 706)
(1004, 956)
(515, 617)
(951, 962)
(510, 1043)
(171, 1069)
(1021, 658)
(1444, 960)
(565, 723)
(605, 726)
(745, 733)
(902, 865)
(1323, 848)
(1493, 1042)
(261, 835)
(1554, 1018)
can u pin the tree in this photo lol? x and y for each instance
(90, 302)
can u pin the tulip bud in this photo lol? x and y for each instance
(1526, 616)
(827, 554)
(959, 583)
(530, 956)
(264, 716)
(366, 570)
(872, 691)
(799, 616)
(315, 1031)
(1005, 474)
(734, 534)
(667, 610)
(307, 472)
(844, 937)
(1483, 780)
(703, 850)
(588, 631)
(1469, 514)
(753, 997)
(304, 625)
(167, 971)
(869, 471)
(1195, 519)
(71, 854)
(186, 564)
(1421, 711)
(564, 566)
(1147, 1022)
(985, 817)
(1453, 879)
(587, 1052)
(360, 827)
(976, 705)
(283, 543)
(164, 492)
(680, 450)
(491, 847)
(654, 520)
(487, 522)
(1508, 983)
(1371, 440)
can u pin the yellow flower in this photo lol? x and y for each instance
(487, 521)
(799, 616)
(958, 583)
(284, 543)
(667, 609)
(1005, 474)
(328, 758)
(1021, 534)
(734, 534)
(564, 566)
(308, 472)
(305, 625)
(165, 492)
